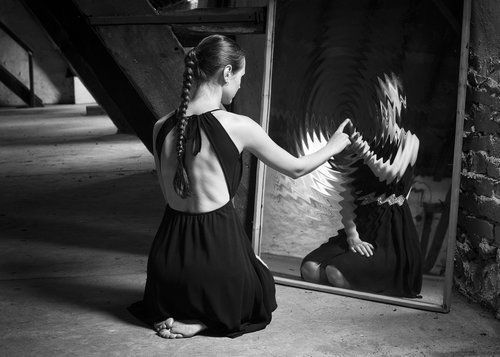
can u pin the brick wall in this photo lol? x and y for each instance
(477, 258)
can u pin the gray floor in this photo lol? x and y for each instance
(79, 208)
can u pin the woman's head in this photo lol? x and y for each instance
(216, 60)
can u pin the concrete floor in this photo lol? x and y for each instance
(79, 209)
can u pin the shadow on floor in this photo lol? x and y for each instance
(88, 214)
(110, 295)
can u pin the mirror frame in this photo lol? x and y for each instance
(455, 184)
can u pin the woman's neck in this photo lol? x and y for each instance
(207, 97)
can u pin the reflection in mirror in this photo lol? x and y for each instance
(375, 217)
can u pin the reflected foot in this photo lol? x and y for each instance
(181, 329)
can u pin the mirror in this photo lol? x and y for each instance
(392, 67)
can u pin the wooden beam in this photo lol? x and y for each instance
(69, 30)
(265, 111)
(457, 156)
(20, 42)
(220, 28)
(251, 19)
(18, 88)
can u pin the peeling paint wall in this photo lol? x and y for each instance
(477, 258)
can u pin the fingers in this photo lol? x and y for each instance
(364, 248)
(367, 250)
(350, 128)
(341, 127)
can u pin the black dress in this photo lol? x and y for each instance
(383, 218)
(201, 265)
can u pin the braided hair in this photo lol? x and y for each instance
(202, 64)
(181, 179)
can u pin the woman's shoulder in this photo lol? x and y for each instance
(164, 118)
(159, 123)
(234, 120)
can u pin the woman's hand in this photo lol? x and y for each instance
(356, 245)
(253, 138)
(339, 140)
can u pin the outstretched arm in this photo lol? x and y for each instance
(256, 140)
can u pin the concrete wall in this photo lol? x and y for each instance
(477, 259)
(52, 83)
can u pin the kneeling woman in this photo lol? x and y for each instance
(378, 250)
(202, 274)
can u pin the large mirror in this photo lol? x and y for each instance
(376, 221)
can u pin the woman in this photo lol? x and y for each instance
(203, 275)
(378, 250)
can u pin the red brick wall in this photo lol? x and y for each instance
(477, 258)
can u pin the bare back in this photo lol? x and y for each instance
(208, 180)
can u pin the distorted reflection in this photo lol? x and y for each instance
(375, 218)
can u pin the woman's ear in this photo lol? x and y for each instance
(227, 72)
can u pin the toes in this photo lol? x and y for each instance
(165, 333)
(169, 322)
(160, 326)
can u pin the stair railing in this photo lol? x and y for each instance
(29, 51)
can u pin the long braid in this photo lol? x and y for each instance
(203, 64)
(181, 178)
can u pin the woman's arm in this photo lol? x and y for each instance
(356, 245)
(256, 140)
(156, 129)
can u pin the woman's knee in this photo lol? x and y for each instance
(336, 278)
(310, 271)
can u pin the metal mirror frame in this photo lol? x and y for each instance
(455, 184)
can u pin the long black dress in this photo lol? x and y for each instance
(201, 265)
(383, 218)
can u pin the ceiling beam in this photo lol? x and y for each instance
(227, 20)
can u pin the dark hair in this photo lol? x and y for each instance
(202, 64)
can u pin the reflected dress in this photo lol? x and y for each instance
(201, 266)
(383, 218)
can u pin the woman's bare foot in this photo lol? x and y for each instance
(162, 325)
(180, 329)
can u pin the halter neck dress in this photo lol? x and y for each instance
(201, 266)
(383, 218)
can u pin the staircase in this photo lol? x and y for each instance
(26, 94)
(130, 54)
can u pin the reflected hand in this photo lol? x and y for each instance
(356, 245)
(340, 140)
